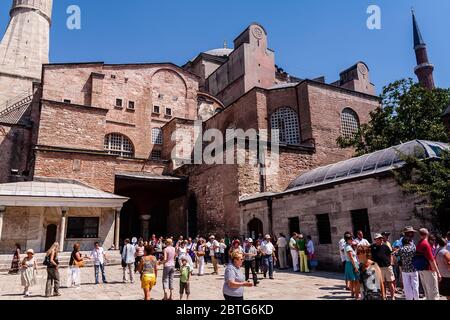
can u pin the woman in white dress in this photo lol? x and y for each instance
(28, 272)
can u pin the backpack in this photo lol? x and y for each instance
(46, 261)
(420, 263)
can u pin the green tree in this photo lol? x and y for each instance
(408, 111)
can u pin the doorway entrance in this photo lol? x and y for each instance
(50, 236)
(255, 228)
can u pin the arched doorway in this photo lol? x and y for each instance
(50, 236)
(192, 216)
(255, 228)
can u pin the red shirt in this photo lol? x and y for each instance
(424, 248)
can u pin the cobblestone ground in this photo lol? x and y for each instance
(286, 286)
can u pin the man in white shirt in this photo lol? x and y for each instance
(360, 239)
(128, 259)
(99, 256)
(294, 251)
(268, 251)
(281, 245)
(214, 248)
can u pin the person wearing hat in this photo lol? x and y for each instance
(382, 255)
(386, 236)
(268, 258)
(250, 254)
(425, 263)
(28, 272)
(410, 276)
(214, 248)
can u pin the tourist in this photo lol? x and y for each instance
(228, 245)
(351, 266)
(28, 272)
(233, 287)
(169, 254)
(386, 236)
(236, 246)
(371, 278)
(159, 248)
(213, 246)
(99, 256)
(250, 253)
(342, 244)
(51, 261)
(258, 259)
(425, 263)
(181, 250)
(310, 250)
(153, 241)
(268, 256)
(443, 264)
(433, 244)
(222, 251)
(139, 254)
(294, 251)
(410, 276)
(281, 246)
(128, 259)
(191, 247)
(180, 240)
(75, 263)
(201, 252)
(302, 252)
(148, 268)
(134, 241)
(382, 255)
(16, 260)
(185, 277)
(360, 239)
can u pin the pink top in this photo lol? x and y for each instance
(170, 251)
(140, 251)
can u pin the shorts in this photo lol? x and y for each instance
(148, 281)
(185, 287)
(388, 274)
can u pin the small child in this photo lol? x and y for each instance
(185, 276)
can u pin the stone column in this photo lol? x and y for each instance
(145, 226)
(117, 228)
(2, 214)
(62, 230)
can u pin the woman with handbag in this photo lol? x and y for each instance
(201, 252)
(76, 262)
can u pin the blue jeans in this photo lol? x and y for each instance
(268, 265)
(102, 269)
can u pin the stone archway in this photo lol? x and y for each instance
(255, 228)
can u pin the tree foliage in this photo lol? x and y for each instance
(409, 111)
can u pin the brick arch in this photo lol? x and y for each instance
(111, 144)
(173, 72)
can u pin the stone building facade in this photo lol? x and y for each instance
(113, 128)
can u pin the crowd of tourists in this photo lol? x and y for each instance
(379, 270)
(373, 271)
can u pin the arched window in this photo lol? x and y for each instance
(157, 136)
(119, 145)
(286, 121)
(349, 123)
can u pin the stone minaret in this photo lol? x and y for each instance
(24, 48)
(424, 69)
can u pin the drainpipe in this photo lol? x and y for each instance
(270, 208)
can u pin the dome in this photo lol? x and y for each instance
(368, 164)
(220, 52)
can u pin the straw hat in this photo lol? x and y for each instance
(30, 251)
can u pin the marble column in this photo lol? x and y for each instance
(145, 226)
(2, 214)
(62, 230)
(117, 228)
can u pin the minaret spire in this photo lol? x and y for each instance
(424, 69)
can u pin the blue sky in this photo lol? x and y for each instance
(310, 38)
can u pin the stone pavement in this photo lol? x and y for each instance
(286, 286)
